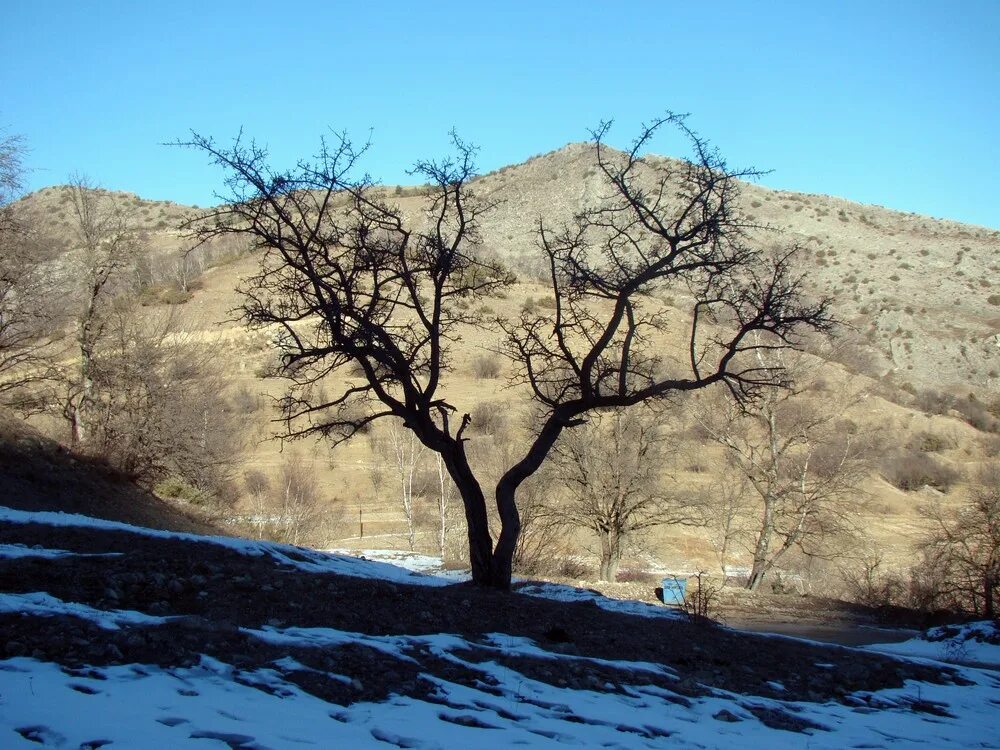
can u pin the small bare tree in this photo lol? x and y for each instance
(108, 245)
(396, 447)
(964, 547)
(29, 315)
(725, 506)
(444, 495)
(287, 509)
(354, 280)
(612, 470)
(804, 470)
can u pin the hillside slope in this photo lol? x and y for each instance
(38, 474)
(922, 291)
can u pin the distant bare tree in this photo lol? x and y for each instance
(353, 280)
(612, 470)
(155, 406)
(108, 246)
(29, 307)
(444, 496)
(288, 509)
(804, 470)
(399, 449)
(298, 500)
(963, 547)
(726, 505)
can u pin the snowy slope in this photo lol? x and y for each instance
(490, 691)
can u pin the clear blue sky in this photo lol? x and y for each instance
(895, 103)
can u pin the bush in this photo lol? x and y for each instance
(486, 367)
(488, 417)
(176, 488)
(929, 442)
(910, 471)
(976, 414)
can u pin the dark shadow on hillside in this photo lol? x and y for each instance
(37, 474)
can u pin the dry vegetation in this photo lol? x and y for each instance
(919, 292)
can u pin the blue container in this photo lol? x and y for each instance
(673, 590)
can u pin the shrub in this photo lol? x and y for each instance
(976, 414)
(488, 417)
(910, 471)
(636, 575)
(929, 442)
(174, 296)
(175, 487)
(486, 367)
(933, 402)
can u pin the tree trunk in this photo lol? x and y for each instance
(510, 530)
(988, 586)
(611, 555)
(506, 491)
(761, 548)
(474, 503)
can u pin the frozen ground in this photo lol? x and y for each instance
(493, 690)
(975, 643)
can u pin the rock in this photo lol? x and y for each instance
(15, 648)
(356, 685)
(726, 715)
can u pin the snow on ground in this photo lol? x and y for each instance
(214, 705)
(412, 561)
(972, 643)
(309, 560)
(40, 604)
(138, 706)
(562, 593)
(21, 550)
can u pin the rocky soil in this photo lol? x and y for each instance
(216, 597)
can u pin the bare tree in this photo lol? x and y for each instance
(725, 506)
(963, 547)
(155, 406)
(800, 464)
(108, 244)
(287, 509)
(443, 504)
(351, 278)
(612, 470)
(28, 305)
(399, 448)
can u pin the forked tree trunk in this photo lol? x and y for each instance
(506, 492)
(476, 521)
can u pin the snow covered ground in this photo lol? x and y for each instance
(212, 704)
(974, 643)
